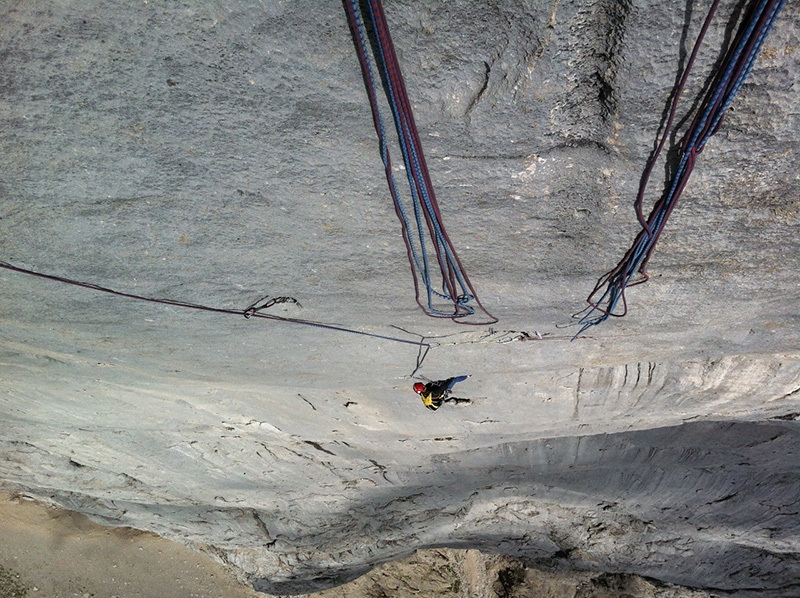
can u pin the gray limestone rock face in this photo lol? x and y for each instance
(219, 152)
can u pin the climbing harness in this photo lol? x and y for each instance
(758, 19)
(435, 393)
(425, 227)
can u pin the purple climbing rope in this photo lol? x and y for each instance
(758, 19)
(450, 285)
(252, 311)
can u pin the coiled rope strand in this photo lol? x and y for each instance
(455, 287)
(759, 18)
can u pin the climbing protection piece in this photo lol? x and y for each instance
(758, 19)
(425, 227)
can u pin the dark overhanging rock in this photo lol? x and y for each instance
(221, 152)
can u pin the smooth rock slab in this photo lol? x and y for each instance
(217, 153)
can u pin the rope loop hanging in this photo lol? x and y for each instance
(435, 266)
(758, 19)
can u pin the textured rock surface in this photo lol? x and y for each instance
(449, 573)
(218, 152)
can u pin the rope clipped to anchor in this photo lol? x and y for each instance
(758, 19)
(422, 224)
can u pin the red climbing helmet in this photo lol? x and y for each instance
(419, 387)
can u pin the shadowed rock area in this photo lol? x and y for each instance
(219, 152)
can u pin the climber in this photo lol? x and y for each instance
(433, 394)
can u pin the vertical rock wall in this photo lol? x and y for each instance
(219, 152)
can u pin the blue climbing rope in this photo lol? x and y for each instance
(426, 240)
(759, 18)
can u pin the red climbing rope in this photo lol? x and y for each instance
(454, 286)
(758, 19)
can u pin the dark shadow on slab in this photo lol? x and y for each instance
(710, 504)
